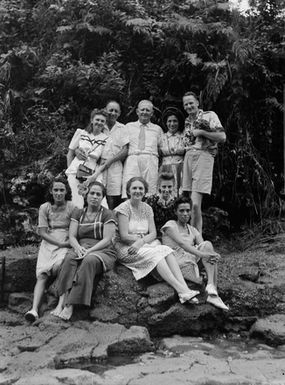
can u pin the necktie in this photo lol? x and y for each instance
(141, 145)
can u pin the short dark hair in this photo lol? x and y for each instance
(95, 112)
(181, 200)
(95, 183)
(134, 179)
(170, 111)
(191, 93)
(165, 176)
(58, 179)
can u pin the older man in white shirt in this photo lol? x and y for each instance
(142, 157)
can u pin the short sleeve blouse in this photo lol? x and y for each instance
(95, 229)
(191, 236)
(138, 221)
(55, 217)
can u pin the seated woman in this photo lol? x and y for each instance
(90, 143)
(162, 203)
(171, 146)
(137, 246)
(182, 237)
(54, 220)
(90, 234)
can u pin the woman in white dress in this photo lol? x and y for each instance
(90, 142)
(137, 246)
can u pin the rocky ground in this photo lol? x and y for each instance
(130, 318)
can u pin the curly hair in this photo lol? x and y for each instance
(59, 179)
(181, 200)
(95, 112)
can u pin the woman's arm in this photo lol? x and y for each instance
(43, 232)
(108, 234)
(146, 239)
(73, 229)
(70, 156)
(123, 224)
(184, 244)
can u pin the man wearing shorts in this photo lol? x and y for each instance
(203, 131)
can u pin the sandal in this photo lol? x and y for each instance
(31, 316)
(217, 302)
(211, 290)
(189, 295)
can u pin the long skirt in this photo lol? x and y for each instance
(146, 259)
(51, 255)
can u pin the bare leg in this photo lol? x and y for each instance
(39, 291)
(59, 306)
(175, 270)
(196, 218)
(166, 273)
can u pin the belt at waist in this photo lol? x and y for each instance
(143, 153)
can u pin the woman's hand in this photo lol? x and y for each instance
(197, 132)
(134, 248)
(80, 251)
(211, 257)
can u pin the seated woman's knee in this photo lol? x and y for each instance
(206, 246)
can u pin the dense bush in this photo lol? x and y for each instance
(59, 59)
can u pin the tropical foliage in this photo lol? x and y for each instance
(61, 58)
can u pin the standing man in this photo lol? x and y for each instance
(114, 153)
(142, 158)
(203, 131)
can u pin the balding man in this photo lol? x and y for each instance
(142, 157)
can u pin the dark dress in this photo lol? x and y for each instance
(77, 276)
(162, 212)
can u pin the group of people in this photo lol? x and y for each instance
(125, 182)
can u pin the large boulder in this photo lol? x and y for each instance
(270, 329)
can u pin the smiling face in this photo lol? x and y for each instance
(190, 104)
(172, 124)
(183, 213)
(94, 196)
(113, 110)
(98, 122)
(136, 191)
(145, 111)
(58, 192)
(166, 189)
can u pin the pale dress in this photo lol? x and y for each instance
(57, 221)
(186, 261)
(150, 254)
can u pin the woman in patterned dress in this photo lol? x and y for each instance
(91, 231)
(171, 146)
(189, 247)
(137, 246)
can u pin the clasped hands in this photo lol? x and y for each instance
(133, 249)
(81, 252)
(211, 257)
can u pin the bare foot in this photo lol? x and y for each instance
(56, 312)
(66, 313)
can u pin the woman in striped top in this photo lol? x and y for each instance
(91, 231)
